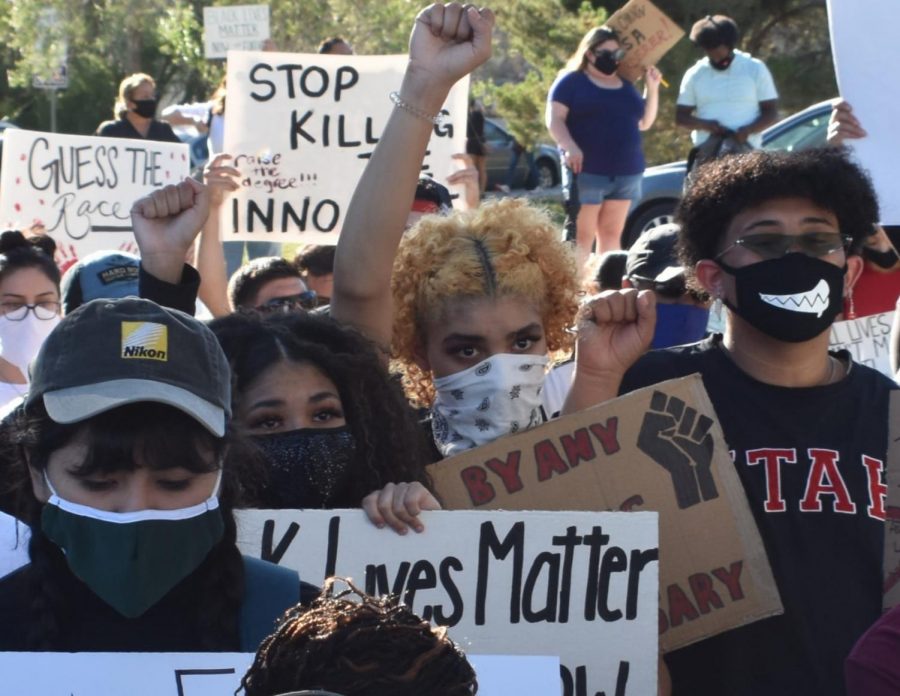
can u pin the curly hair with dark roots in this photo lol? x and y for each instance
(726, 187)
(503, 249)
(119, 439)
(390, 445)
(357, 645)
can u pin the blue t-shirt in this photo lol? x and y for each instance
(603, 122)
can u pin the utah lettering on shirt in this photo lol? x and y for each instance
(825, 488)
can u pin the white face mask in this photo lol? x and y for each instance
(499, 396)
(21, 340)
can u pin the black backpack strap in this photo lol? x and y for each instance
(269, 590)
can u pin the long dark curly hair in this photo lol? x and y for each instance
(357, 645)
(390, 444)
(140, 434)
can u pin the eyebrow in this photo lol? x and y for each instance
(767, 223)
(323, 396)
(471, 338)
(40, 294)
(530, 328)
(266, 403)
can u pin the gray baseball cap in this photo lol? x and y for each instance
(109, 353)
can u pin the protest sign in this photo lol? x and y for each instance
(81, 188)
(581, 585)
(302, 128)
(218, 674)
(868, 339)
(234, 28)
(891, 569)
(13, 544)
(863, 43)
(661, 449)
(646, 34)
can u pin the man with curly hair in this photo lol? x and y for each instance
(776, 238)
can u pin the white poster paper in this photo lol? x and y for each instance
(81, 188)
(302, 128)
(218, 674)
(234, 28)
(865, 49)
(868, 339)
(13, 544)
(581, 585)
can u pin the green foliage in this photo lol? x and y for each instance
(108, 39)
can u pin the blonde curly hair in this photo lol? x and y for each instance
(500, 249)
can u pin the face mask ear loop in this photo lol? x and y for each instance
(217, 488)
(49, 485)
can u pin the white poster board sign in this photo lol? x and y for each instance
(868, 339)
(581, 585)
(218, 674)
(81, 188)
(234, 28)
(14, 538)
(302, 128)
(863, 43)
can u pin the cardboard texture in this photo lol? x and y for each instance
(661, 449)
(646, 34)
(891, 587)
(580, 585)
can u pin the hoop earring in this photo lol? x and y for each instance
(717, 307)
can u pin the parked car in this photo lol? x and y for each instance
(662, 185)
(499, 151)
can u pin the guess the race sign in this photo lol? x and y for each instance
(81, 188)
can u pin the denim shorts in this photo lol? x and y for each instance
(593, 189)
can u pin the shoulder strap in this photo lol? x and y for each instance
(268, 591)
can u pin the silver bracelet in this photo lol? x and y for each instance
(437, 120)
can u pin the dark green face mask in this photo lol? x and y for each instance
(131, 560)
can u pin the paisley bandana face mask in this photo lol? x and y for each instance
(131, 560)
(499, 396)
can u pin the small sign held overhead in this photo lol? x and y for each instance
(234, 28)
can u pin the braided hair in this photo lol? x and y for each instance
(358, 645)
(155, 435)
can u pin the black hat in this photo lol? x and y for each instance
(653, 258)
(109, 353)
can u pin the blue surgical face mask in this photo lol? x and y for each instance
(677, 324)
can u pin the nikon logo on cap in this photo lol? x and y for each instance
(145, 340)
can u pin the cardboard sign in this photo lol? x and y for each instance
(868, 339)
(218, 674)
(234, 28)
(581, 585)
(863, 42)
(646, 34)
(302, 128)
(891, 568)
(661, 449)
(81, 188)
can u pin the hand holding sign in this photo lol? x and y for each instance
(447, 43)
(165, 224)
(221, 178)
(398, 505)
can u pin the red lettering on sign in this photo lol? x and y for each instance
(680, 607)
(578, 447)
(548, 460)
(704, 594)
(508, 471)
(606, 434)
(475, 480)
(731, 578)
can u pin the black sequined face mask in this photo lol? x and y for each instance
(308, 468)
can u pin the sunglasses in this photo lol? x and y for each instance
(17, 311)
(290, 303)
(772, 245)
(617, 54)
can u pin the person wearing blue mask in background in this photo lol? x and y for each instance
(652, 264)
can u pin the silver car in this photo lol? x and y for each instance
(500, 146)
(662, 185)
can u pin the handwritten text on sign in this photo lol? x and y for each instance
(234, 28)
(217, 674)
(302, 128)
(658, 449)
(580, 585)
(868, 339)
(81, 188)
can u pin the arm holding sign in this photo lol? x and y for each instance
(843, 125)
(221, 180)
(447, 42)
(614, 330)
(652, 78)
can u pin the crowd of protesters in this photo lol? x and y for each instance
(310, 384)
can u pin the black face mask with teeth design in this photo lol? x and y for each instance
(793, 298)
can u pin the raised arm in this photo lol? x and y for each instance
(221, 178)
(447, 42)
(652, 78)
